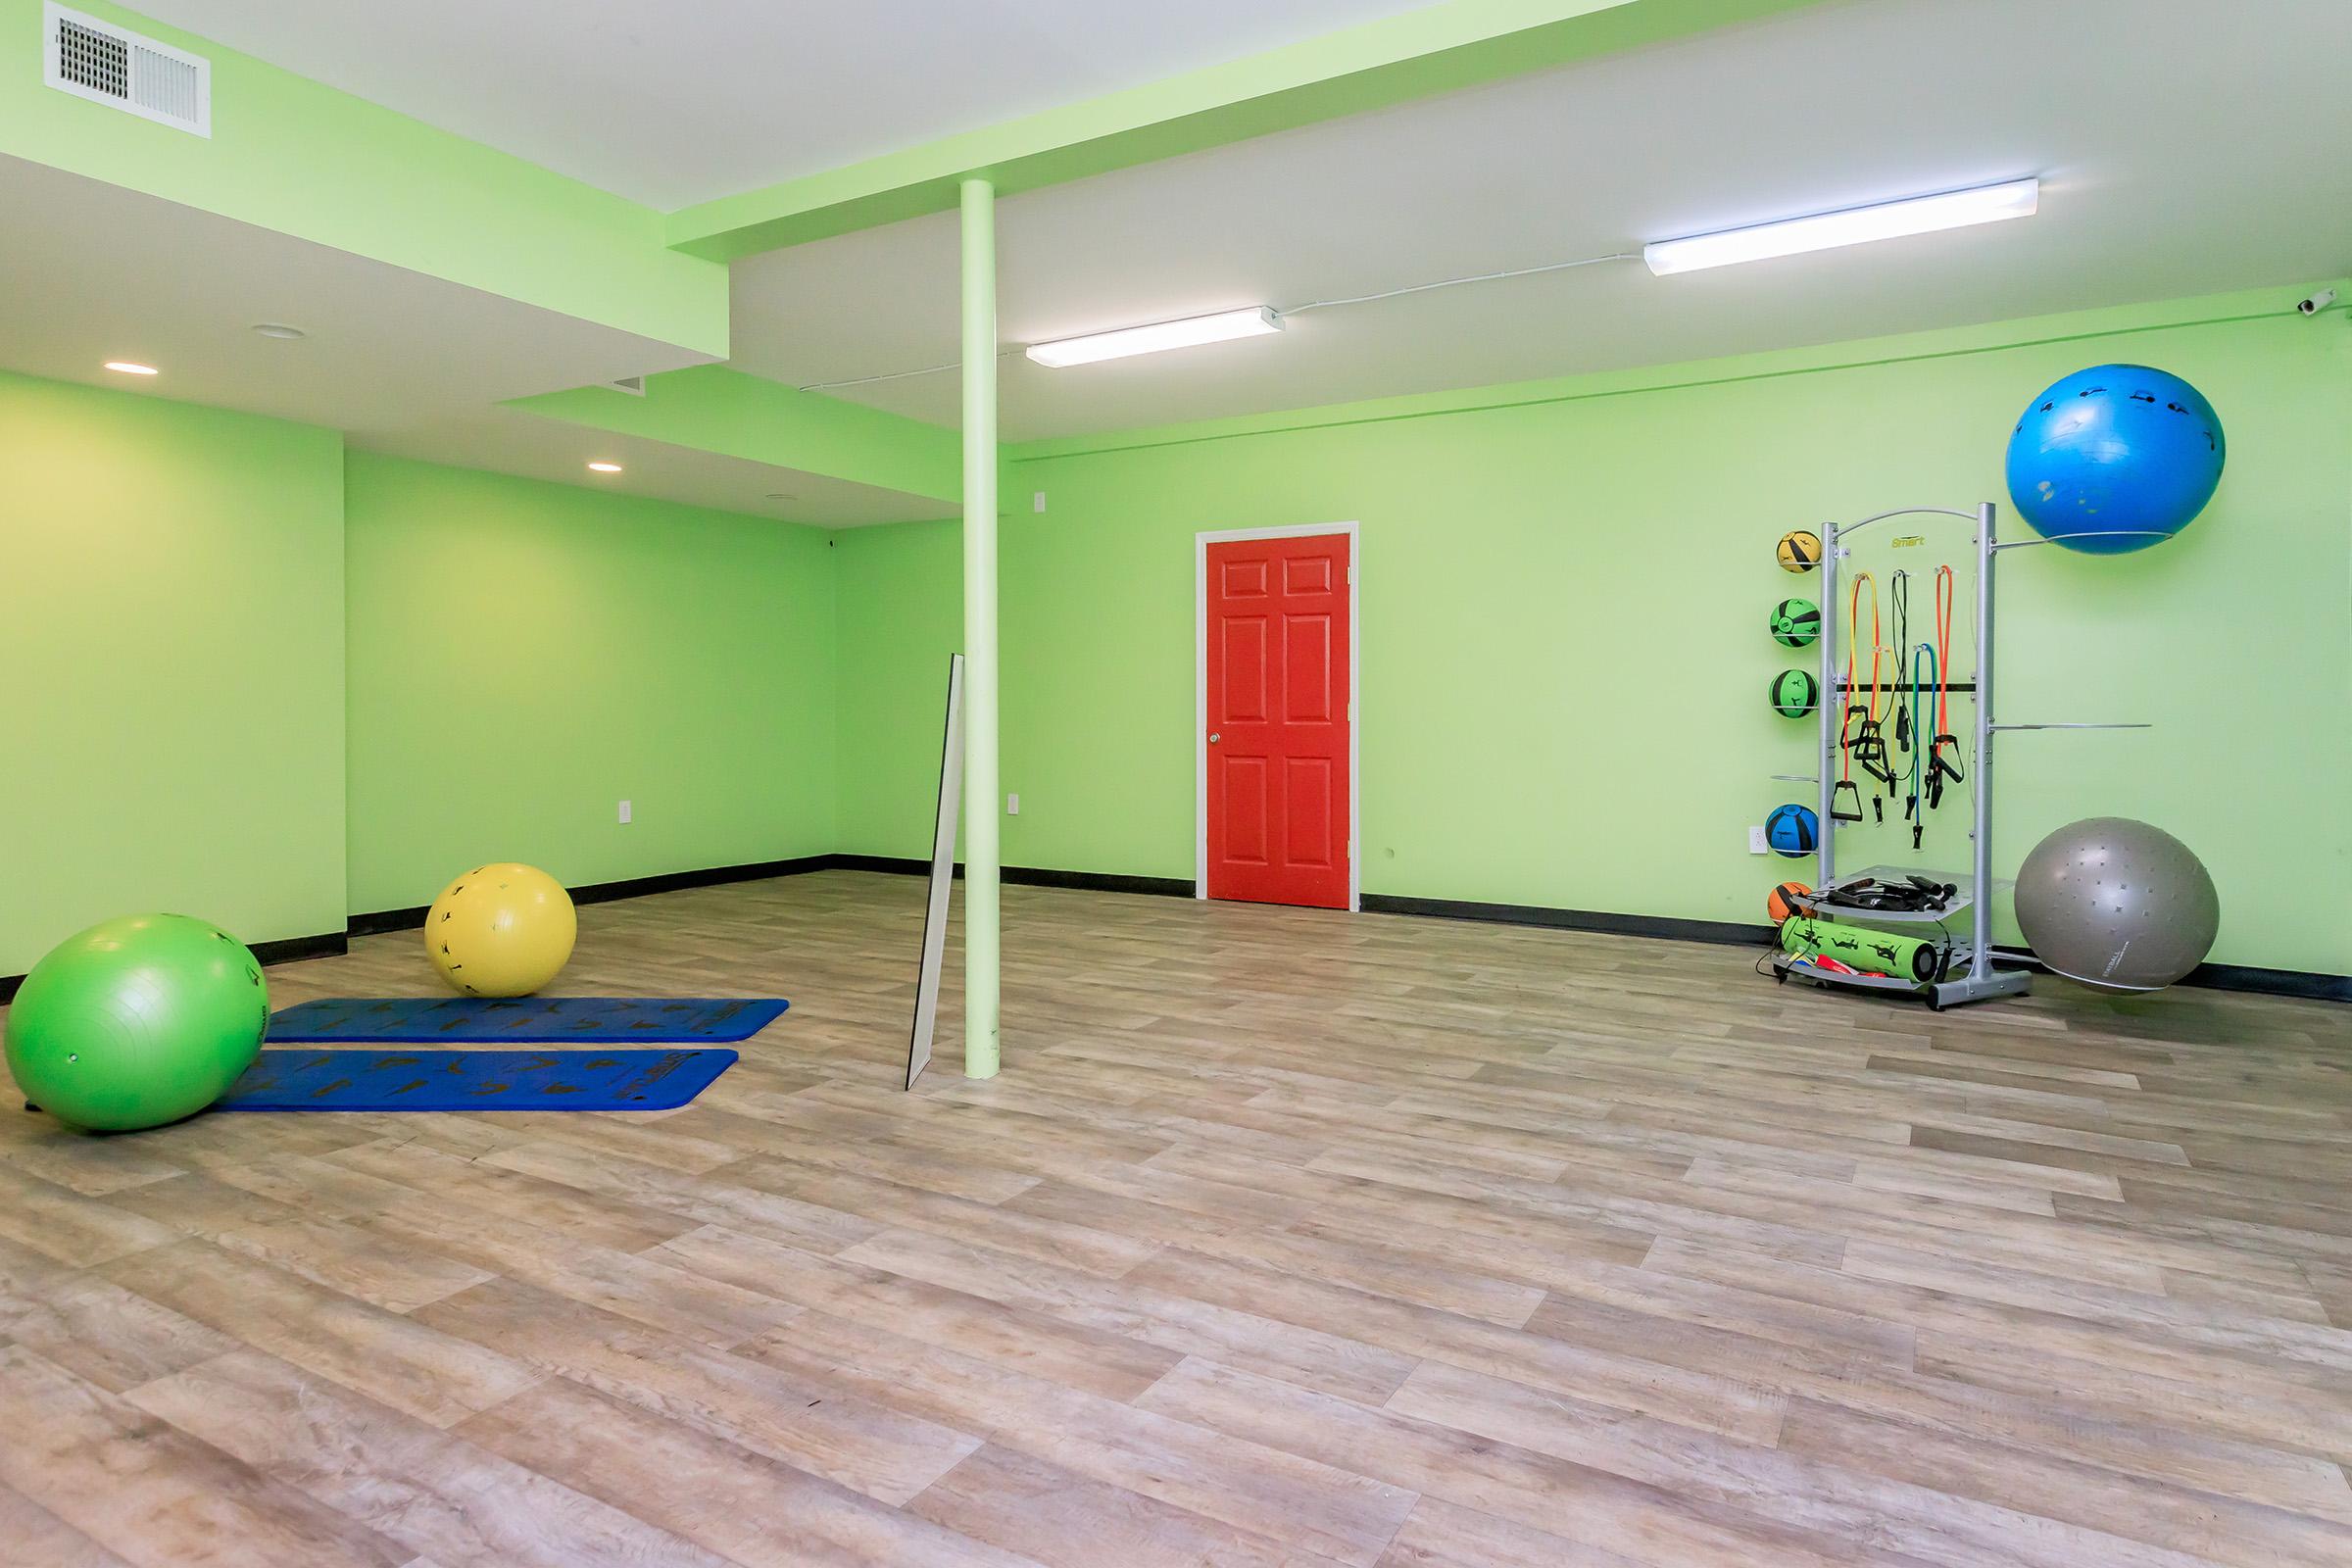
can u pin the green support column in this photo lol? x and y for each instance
(982, 856)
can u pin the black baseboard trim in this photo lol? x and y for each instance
(2295, 983)
(637, 887)
(285, 949)
(892, 864)
(1029, 876)
(378, 923)
(2210, 976)
(2299, 983)
(293, 950)
(2271, 982)
(1164, 887)
(1725, 933)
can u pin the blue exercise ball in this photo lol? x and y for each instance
(1793, 830)
(2114, 459)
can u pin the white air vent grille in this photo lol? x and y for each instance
(107, 65)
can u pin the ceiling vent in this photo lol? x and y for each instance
(110, 65)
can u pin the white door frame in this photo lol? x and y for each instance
(1356, 643)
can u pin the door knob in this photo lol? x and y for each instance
(1213, 737)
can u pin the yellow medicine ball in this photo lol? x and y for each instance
(1800, 549)
(501, 930)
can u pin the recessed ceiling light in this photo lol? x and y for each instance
(1792, 236)
(131, 367)
(278, 329)
(603, 467)
(1255, 321)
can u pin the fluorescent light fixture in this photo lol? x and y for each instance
(600, 467)
(1917, 214)
(130, 368)
(1255, 321)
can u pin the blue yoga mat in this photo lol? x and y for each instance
(528, 1021)
(475, 1080)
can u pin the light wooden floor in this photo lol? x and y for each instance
(1286, 1238)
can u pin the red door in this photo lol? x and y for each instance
(1278, 720)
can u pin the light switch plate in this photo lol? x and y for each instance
(1757, 843)
(624, 811)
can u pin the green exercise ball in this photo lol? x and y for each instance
(1795, 693)
(1795, 622)
(137, 1022)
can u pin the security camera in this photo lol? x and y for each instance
(2314, 304)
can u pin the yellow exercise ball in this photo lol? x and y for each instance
(1799, 549)
(501, 930)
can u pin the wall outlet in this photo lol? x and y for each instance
(624, 811)
(1037, 500)
(1757, 843)
(1012, 805)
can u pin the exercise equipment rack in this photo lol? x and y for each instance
(1972, 977)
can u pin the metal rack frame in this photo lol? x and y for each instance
(1980, 981)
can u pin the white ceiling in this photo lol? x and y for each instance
(673, 102)
(402, 362)
(509, 441)
(2180, 155)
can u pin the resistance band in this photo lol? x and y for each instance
(1860, 735)
(1943, 753)
(1844, 790)
(1899, 591)
(1911, 810)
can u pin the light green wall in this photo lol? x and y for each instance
(900, 592)
(1563, 600)
(524, 655)
(289, 154)
(1563, 655)
(172, 624)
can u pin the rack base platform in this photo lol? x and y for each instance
(1937, 995)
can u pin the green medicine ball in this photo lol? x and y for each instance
(1794, 693)
(137, 1022)
(1795, 622)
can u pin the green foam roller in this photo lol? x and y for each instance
(1882, 952)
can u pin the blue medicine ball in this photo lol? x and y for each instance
(1793, 830)
(2119, 451)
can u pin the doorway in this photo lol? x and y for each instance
(1275, 740)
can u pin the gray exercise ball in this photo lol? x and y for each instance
(2117, 905)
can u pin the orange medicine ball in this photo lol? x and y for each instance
(1790, 897)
